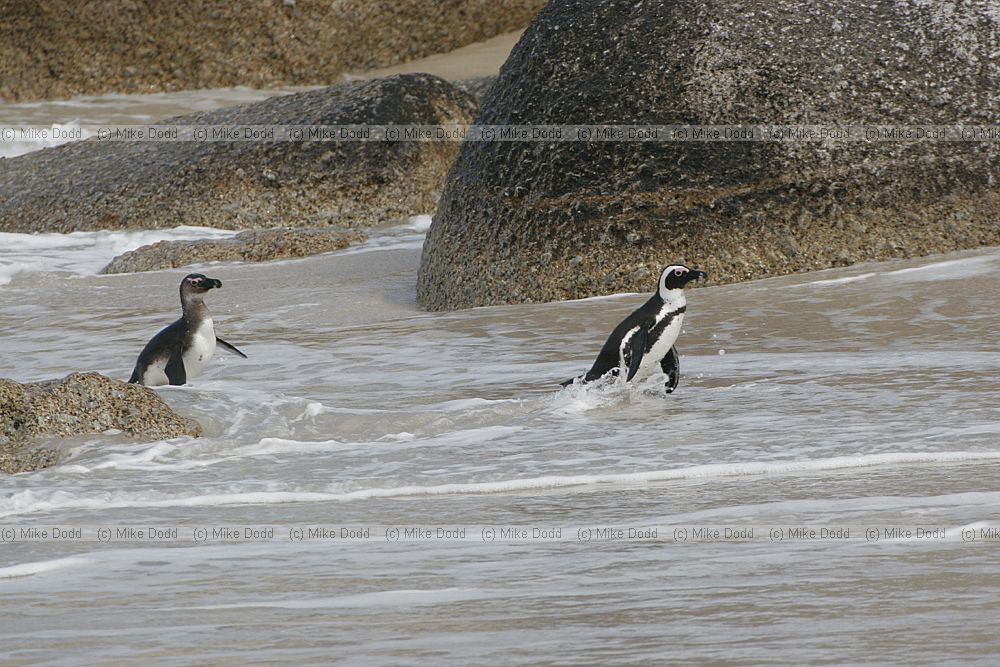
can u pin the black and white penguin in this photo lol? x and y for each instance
(181, 350)
(647, 336)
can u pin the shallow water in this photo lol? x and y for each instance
(78, 114)
(863, 397)
(853, 400)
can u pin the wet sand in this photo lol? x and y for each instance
(475, 60)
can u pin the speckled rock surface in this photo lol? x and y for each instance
(89, 184)
(61, 49)
(534, 221)
(478, 86)
(78, 404)
(258, 245)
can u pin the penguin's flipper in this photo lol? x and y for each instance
(229, 348)
(637, 348)
(671, 366)
(176, 374)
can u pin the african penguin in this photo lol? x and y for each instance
(181, 350)
(647, 336)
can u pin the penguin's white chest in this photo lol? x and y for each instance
(661, 346)
(201, 348)
(666, 339)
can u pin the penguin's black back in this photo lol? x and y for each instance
(608, 356)
(165, 344)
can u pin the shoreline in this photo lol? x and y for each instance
(479, 59)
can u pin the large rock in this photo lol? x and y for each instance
(78, 404)
(94, 184)
(62, 49)
(528, 221)
(257, 245)
(477, 86)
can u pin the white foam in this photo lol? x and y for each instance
(38, 567)
(579, 398)
(399, 237)
(30, 501)
(397, 598)
(953, 269)
(463, 404)
(402, 436)
(160, 456)
(83, 253)
(395, 238)
(604, 297)
(842, 281)
(131, 458)
(90, 112)
(313, 410)
(420, 223)
(61, 133)
(270, 446)
(714, 470)
(410, 235)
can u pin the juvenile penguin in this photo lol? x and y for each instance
(647, 336)
(181, 350)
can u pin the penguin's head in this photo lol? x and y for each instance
(197, 283)
(677, 276)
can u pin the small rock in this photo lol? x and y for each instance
(80, 403)
(259, 245)
(152, 185)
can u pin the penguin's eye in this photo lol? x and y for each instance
(679, 272)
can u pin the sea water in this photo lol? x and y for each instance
(67, 120)
(382, 485)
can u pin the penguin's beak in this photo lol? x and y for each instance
(212, 283)
(698, 275)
